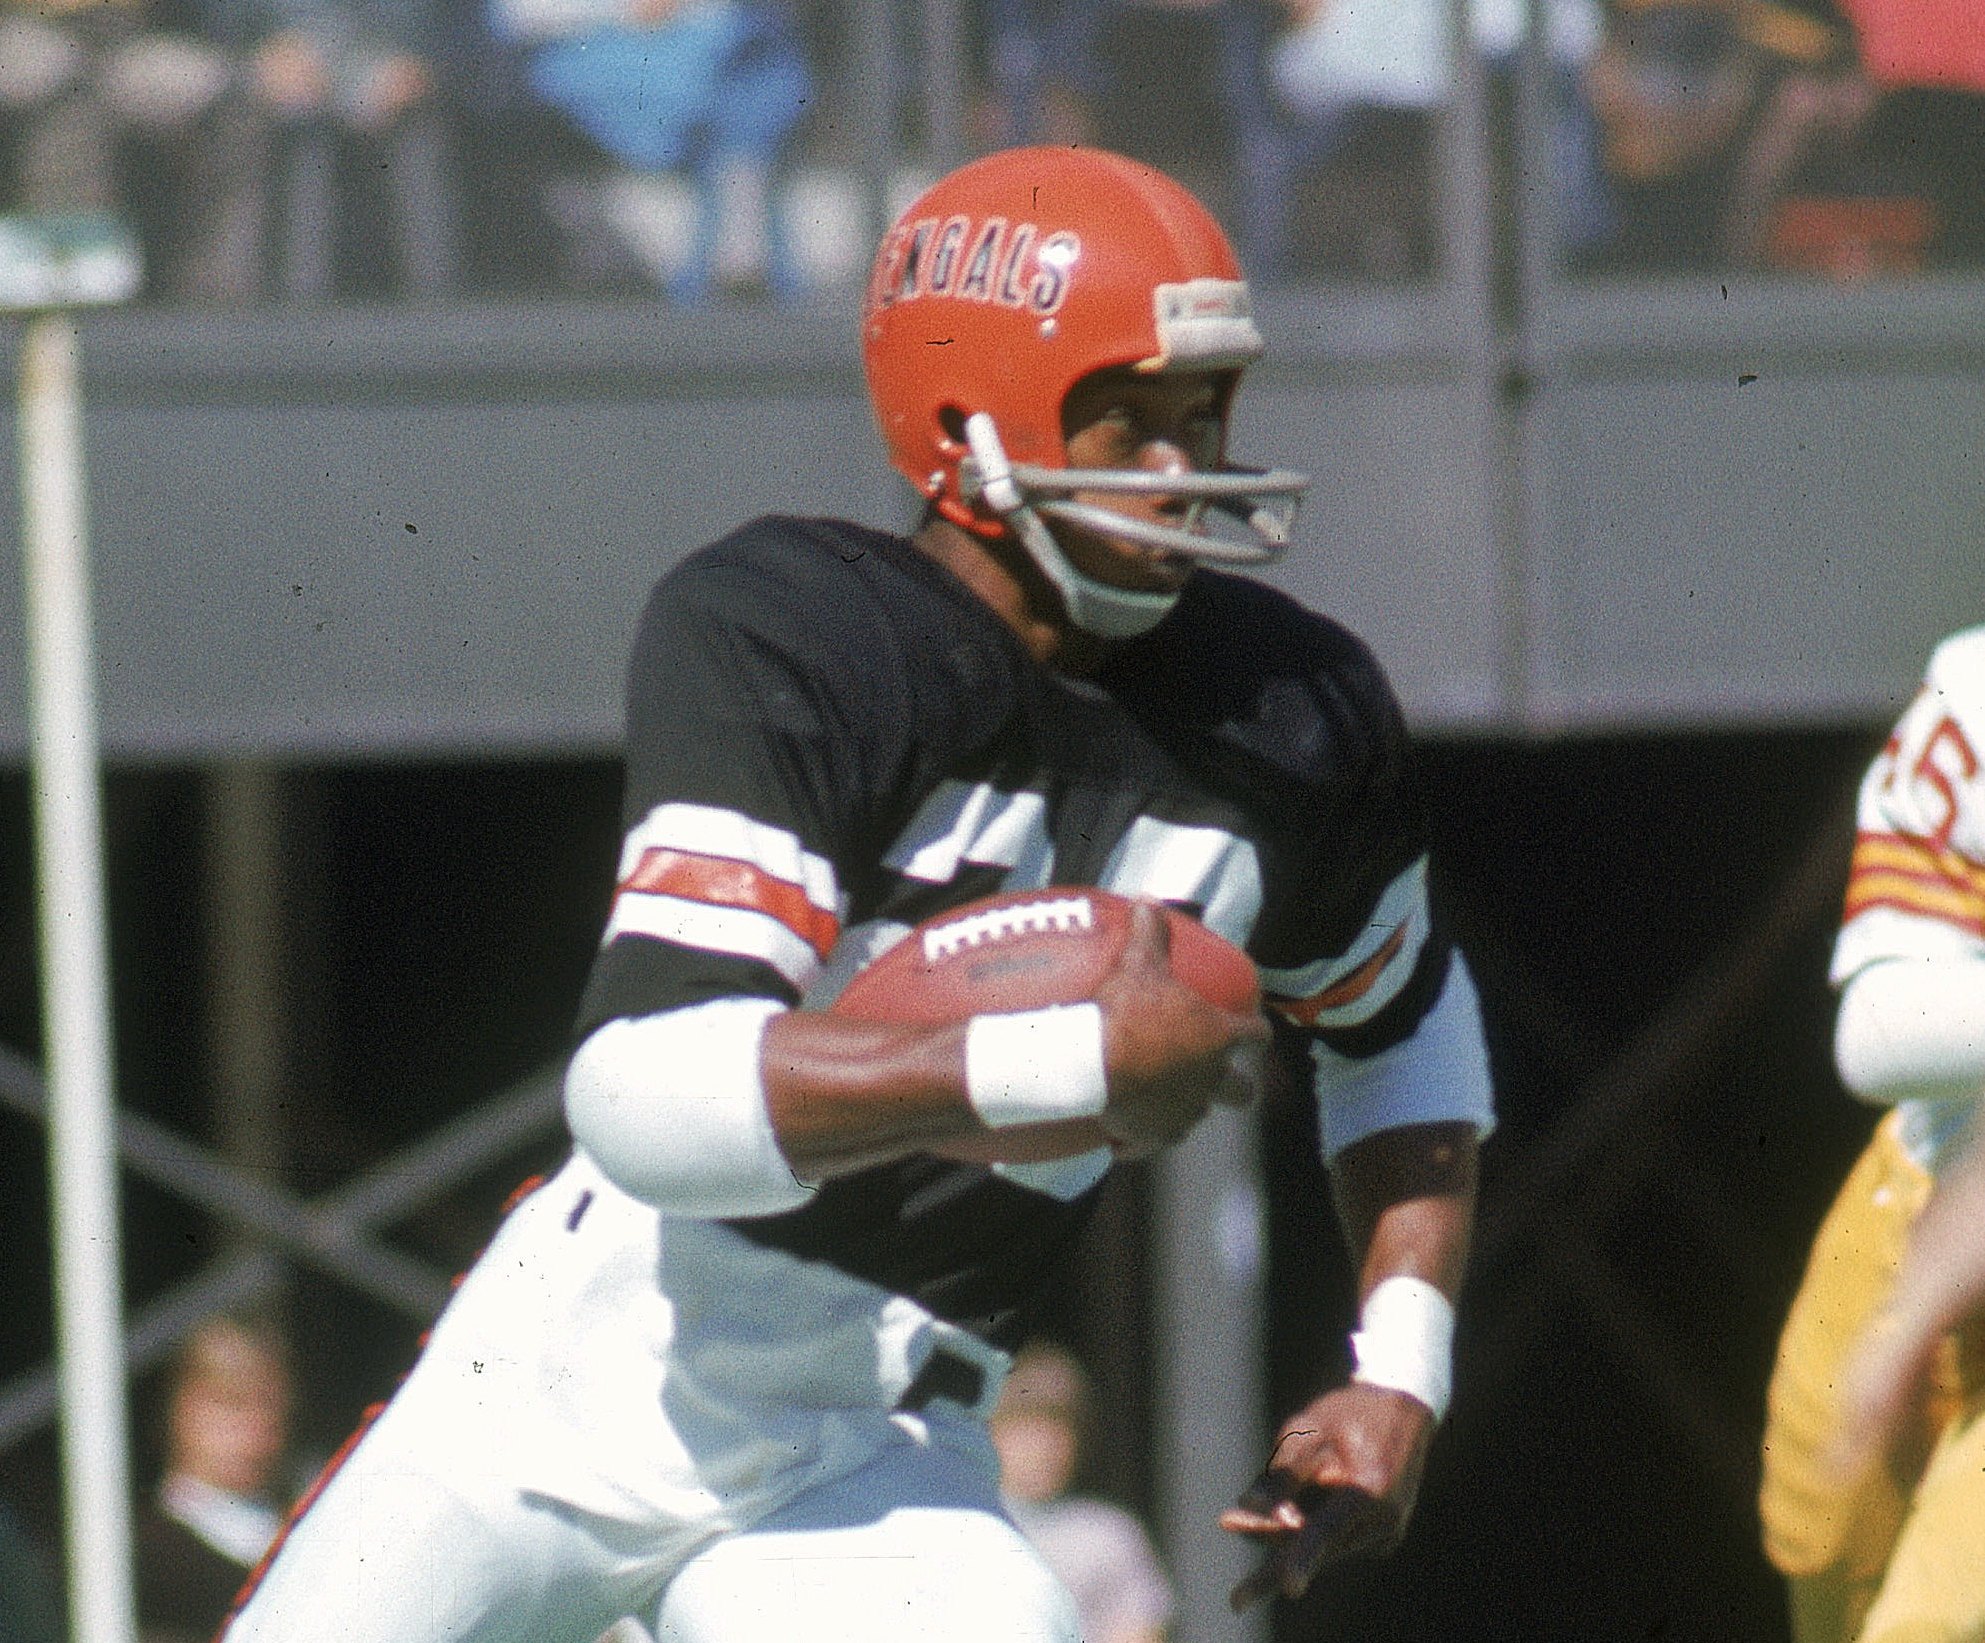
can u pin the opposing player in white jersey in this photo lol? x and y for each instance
(728, 1371)
(1887, 1549)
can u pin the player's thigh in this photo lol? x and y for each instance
(910, 1548)
(394, 1554)
(1814, 1523)
(1934, 1591)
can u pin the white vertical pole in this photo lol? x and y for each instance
(62, 746)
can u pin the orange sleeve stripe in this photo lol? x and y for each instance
(1970, 926)
(1913, 876)
(724, 881)
(1348, 990)
(1908, 855)
(1905, 895)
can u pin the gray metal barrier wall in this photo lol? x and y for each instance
(387, 532)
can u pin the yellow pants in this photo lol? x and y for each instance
(1897, 1555)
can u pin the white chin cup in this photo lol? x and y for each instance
(1095, 607)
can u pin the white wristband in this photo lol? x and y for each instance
(1405, 1341)
(1036, 1065)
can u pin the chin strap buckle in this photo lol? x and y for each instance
(987, 474)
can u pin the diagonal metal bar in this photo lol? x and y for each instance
(499, 1128)
(1635, 1096)
(1544, 1209)
(328, 1232)
(196, 1175)
(29, 1401)
(1719, 1447)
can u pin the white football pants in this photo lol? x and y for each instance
(621, 1414)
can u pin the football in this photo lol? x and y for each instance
(1024, 949)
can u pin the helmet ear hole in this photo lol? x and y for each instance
(951, 422)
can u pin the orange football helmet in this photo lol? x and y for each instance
(1005, 284)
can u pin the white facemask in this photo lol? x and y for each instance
(1264, 504)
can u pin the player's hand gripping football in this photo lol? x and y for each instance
(1169, 1053)
(1340, 1484)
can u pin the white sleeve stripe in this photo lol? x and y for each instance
(1207, 866)
(959, 823)
(1384, 988)
(1403, 904)
(706, 830)
(741, 932)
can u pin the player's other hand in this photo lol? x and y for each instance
(1341, 1483)
(1887, 1382)
(1885, 1393)
(1169, 1053)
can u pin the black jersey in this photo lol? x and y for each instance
(831, 739)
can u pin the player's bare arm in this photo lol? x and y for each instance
(1941, 1287)
(844, 1094)
(1346, 1468)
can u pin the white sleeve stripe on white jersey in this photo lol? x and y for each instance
(708, 830)
(740, 932)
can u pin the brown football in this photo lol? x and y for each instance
(1024, 949)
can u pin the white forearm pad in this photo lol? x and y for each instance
(672, 1109)
(1913, 1029)
(1035, 1065)
(1405, 1341)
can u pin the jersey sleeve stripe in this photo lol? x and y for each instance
(742, 932)
(722, 882)
(1341, 995)
(708, 830)
(1922, 900)
(1902, 853)
(978, 823)
(1358, 983)
(1205, 867)
(1914, 876)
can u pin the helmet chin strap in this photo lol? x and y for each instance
(1095, 607)
(1027, 497)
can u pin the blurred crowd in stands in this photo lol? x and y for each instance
(306, 149)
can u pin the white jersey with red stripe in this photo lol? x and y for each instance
(1916, 889)
(830, 740)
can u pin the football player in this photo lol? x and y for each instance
(729, 1370)
(1886, 1548)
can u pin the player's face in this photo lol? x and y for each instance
(1169, 424)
